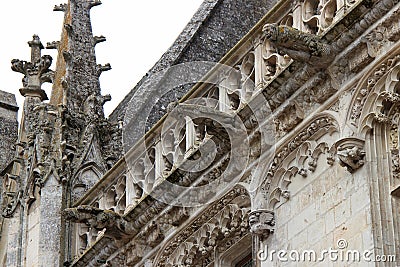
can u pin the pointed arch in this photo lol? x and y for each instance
(86, 177)
(271, 180)
(222, 226)
(373, 115)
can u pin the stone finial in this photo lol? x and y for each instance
(36, 47)
(36, 72)
(262, 222)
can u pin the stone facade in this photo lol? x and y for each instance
(8, 140)
(284, 154)
(8, 128)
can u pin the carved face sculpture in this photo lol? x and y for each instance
(103, 220)
(271, 32)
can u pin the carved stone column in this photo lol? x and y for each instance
(262, 224)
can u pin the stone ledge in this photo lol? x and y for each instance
(8, 101)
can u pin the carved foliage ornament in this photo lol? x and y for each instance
(321, 124)
(221, 232)
(36, 72)
(367, 86)
(176, 243)
(300, 156)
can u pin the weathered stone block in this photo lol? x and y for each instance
(8, 127)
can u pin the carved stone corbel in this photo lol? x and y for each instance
(262, 223)
(350, 153)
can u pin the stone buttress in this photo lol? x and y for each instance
(64, 145)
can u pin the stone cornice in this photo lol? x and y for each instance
(9, 107)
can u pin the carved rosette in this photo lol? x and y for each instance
(262, 223)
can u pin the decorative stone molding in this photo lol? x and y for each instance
(223, 218)
(323, 124)
(262, 223)
(394, 143)
(351, 153)
(289, 91)
(365, 87)
(376, 40)
(289, 118)
(218, 234)
(303, 163)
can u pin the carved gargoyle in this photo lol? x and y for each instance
(262, 223)
(116, 226)
(299, 45)
(351, 157)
